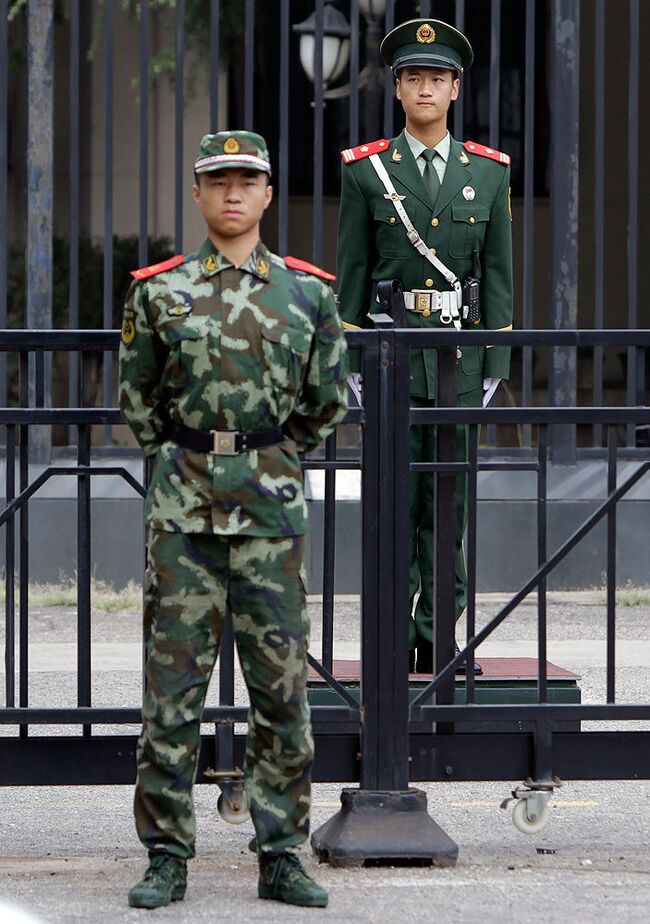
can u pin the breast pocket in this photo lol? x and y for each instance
(286, 354)
(390, 235)
(190, 343)
(468, 226)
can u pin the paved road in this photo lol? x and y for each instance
(70, 854)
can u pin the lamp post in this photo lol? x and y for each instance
(336, 51)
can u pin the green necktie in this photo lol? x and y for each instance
(430, 174)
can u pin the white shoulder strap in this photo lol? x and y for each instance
(411, 233)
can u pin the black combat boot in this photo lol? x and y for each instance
(164, 881)
(282, 878)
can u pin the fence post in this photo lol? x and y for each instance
(565, 108)
(384, 820)
(39, 204)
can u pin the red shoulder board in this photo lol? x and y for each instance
(365, 150)
(304, 267)
(155, 268)
(475, 148)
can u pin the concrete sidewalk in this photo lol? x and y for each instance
(71, 854)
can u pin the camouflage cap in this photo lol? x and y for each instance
(426, 43)
(232, 149)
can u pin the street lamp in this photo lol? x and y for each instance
(336, 43)
(336, 50)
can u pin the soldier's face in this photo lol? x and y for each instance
(232, 201)
(426, 93)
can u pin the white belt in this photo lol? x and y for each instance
(426, 301)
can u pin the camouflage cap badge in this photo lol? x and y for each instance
(232, 149)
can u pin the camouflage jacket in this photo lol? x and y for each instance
(212, 346)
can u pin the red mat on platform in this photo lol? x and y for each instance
(493, 669)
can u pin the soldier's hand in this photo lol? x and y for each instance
(489, 387)
(355, 385)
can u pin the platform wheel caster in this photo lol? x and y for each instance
(233, 808)
(521, 812)
(530, 804)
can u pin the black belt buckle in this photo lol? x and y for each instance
(224, 443)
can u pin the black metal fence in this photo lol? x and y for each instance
(109, 99)
(384, 740)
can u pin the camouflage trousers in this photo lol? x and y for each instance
(191, 579)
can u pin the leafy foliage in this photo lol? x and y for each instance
(91, 278)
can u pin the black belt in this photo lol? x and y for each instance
(224, 442)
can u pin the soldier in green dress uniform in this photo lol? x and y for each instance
(232, 362)
(457, 198)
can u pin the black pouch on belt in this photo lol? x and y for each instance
(390, 296)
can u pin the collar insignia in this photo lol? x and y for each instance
(396, 156)
(210, 264)
(262, 267)
(463, 158)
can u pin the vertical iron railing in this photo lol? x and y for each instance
(179, 102)
(528, 230)
(283, 152)
(143, 88)
(599, 206)
(4, 205)
(213, 90)
(73, 179)
(109, 122)
(635, 382)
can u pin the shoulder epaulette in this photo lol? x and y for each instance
(155, 268)
(475, 148)
(364, 150)
(305, 267)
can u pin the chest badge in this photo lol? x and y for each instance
(394, 197)
(469, 193)
(179, 311)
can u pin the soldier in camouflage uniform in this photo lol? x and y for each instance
(232, 362)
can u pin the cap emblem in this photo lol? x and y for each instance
(425, 34)
(231, 146)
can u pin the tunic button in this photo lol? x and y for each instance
(428, 282)
(458, 353)
(472, 220)
(392, 220)
(433, 250)
(435, 222)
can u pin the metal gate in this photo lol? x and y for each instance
(387, 738)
